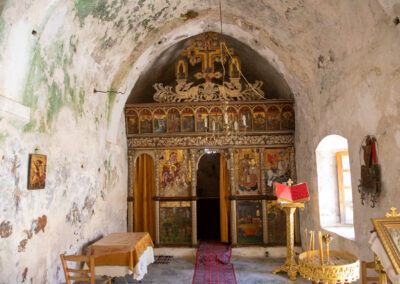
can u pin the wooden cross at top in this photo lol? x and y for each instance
(289, 182)
(207, 49)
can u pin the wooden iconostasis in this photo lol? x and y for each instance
(255, 219)
(210, 108)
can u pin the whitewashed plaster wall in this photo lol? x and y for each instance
(340, 59)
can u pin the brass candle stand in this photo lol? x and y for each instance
(343, 267)
(290, 265)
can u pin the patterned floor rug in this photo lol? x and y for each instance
(213, 264)
(162, 259)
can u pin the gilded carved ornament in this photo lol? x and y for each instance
(208, 49)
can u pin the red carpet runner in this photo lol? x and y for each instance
(213, 264)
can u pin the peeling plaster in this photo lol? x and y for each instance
(5, 229)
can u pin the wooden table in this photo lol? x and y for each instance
(119, 254)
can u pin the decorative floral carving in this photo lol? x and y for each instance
(208, 91)
(209, 142)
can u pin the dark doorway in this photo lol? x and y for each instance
(208, 207)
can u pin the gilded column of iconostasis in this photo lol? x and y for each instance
(209, 110)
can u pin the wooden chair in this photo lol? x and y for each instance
(77, 273)
(364, 277)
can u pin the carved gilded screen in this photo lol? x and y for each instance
(174, 173)
(247, 172)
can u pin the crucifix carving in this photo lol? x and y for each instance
(206, 49)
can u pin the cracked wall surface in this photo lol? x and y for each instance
(340, 60)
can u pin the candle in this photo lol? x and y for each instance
(312, 237)
(205, 122)
(306, 245)
(235, 125)
(213, 125)
(226, 117)
(321, 250)
(244, 120)
(327, 252)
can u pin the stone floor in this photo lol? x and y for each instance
(249, 270)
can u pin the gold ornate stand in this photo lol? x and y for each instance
(381, 271)
(345, 271)
(290, 265)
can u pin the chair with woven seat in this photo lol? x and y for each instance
(76, 273)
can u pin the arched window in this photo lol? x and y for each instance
(334, 186)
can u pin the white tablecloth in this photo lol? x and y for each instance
(138, 272)
(379, 250)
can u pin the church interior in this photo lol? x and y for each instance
(180, 118)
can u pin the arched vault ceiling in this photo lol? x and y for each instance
(300, 47)
(254, 67)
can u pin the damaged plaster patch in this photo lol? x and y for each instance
(99, 9)
(5, 229)
(189, 15)
(22, 245)
(37, 225)
(73, 217)
(24, 242)
(24, 274)
(40, 224)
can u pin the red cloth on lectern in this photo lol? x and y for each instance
(294, 193)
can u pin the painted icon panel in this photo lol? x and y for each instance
(276, 168)
(249, 223)
(146, 119)
(201, 119)
(276, 220)
(245, 119)
(160, 121)
(247, 171)
(37, 171)
(174, 121)
(174, 173)
(132, 123)
(175, 222)
(233, 118)
(259, 118)
(187, 120)
(287, 117)
(181, 69)
(216, 119)
(273, 118)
